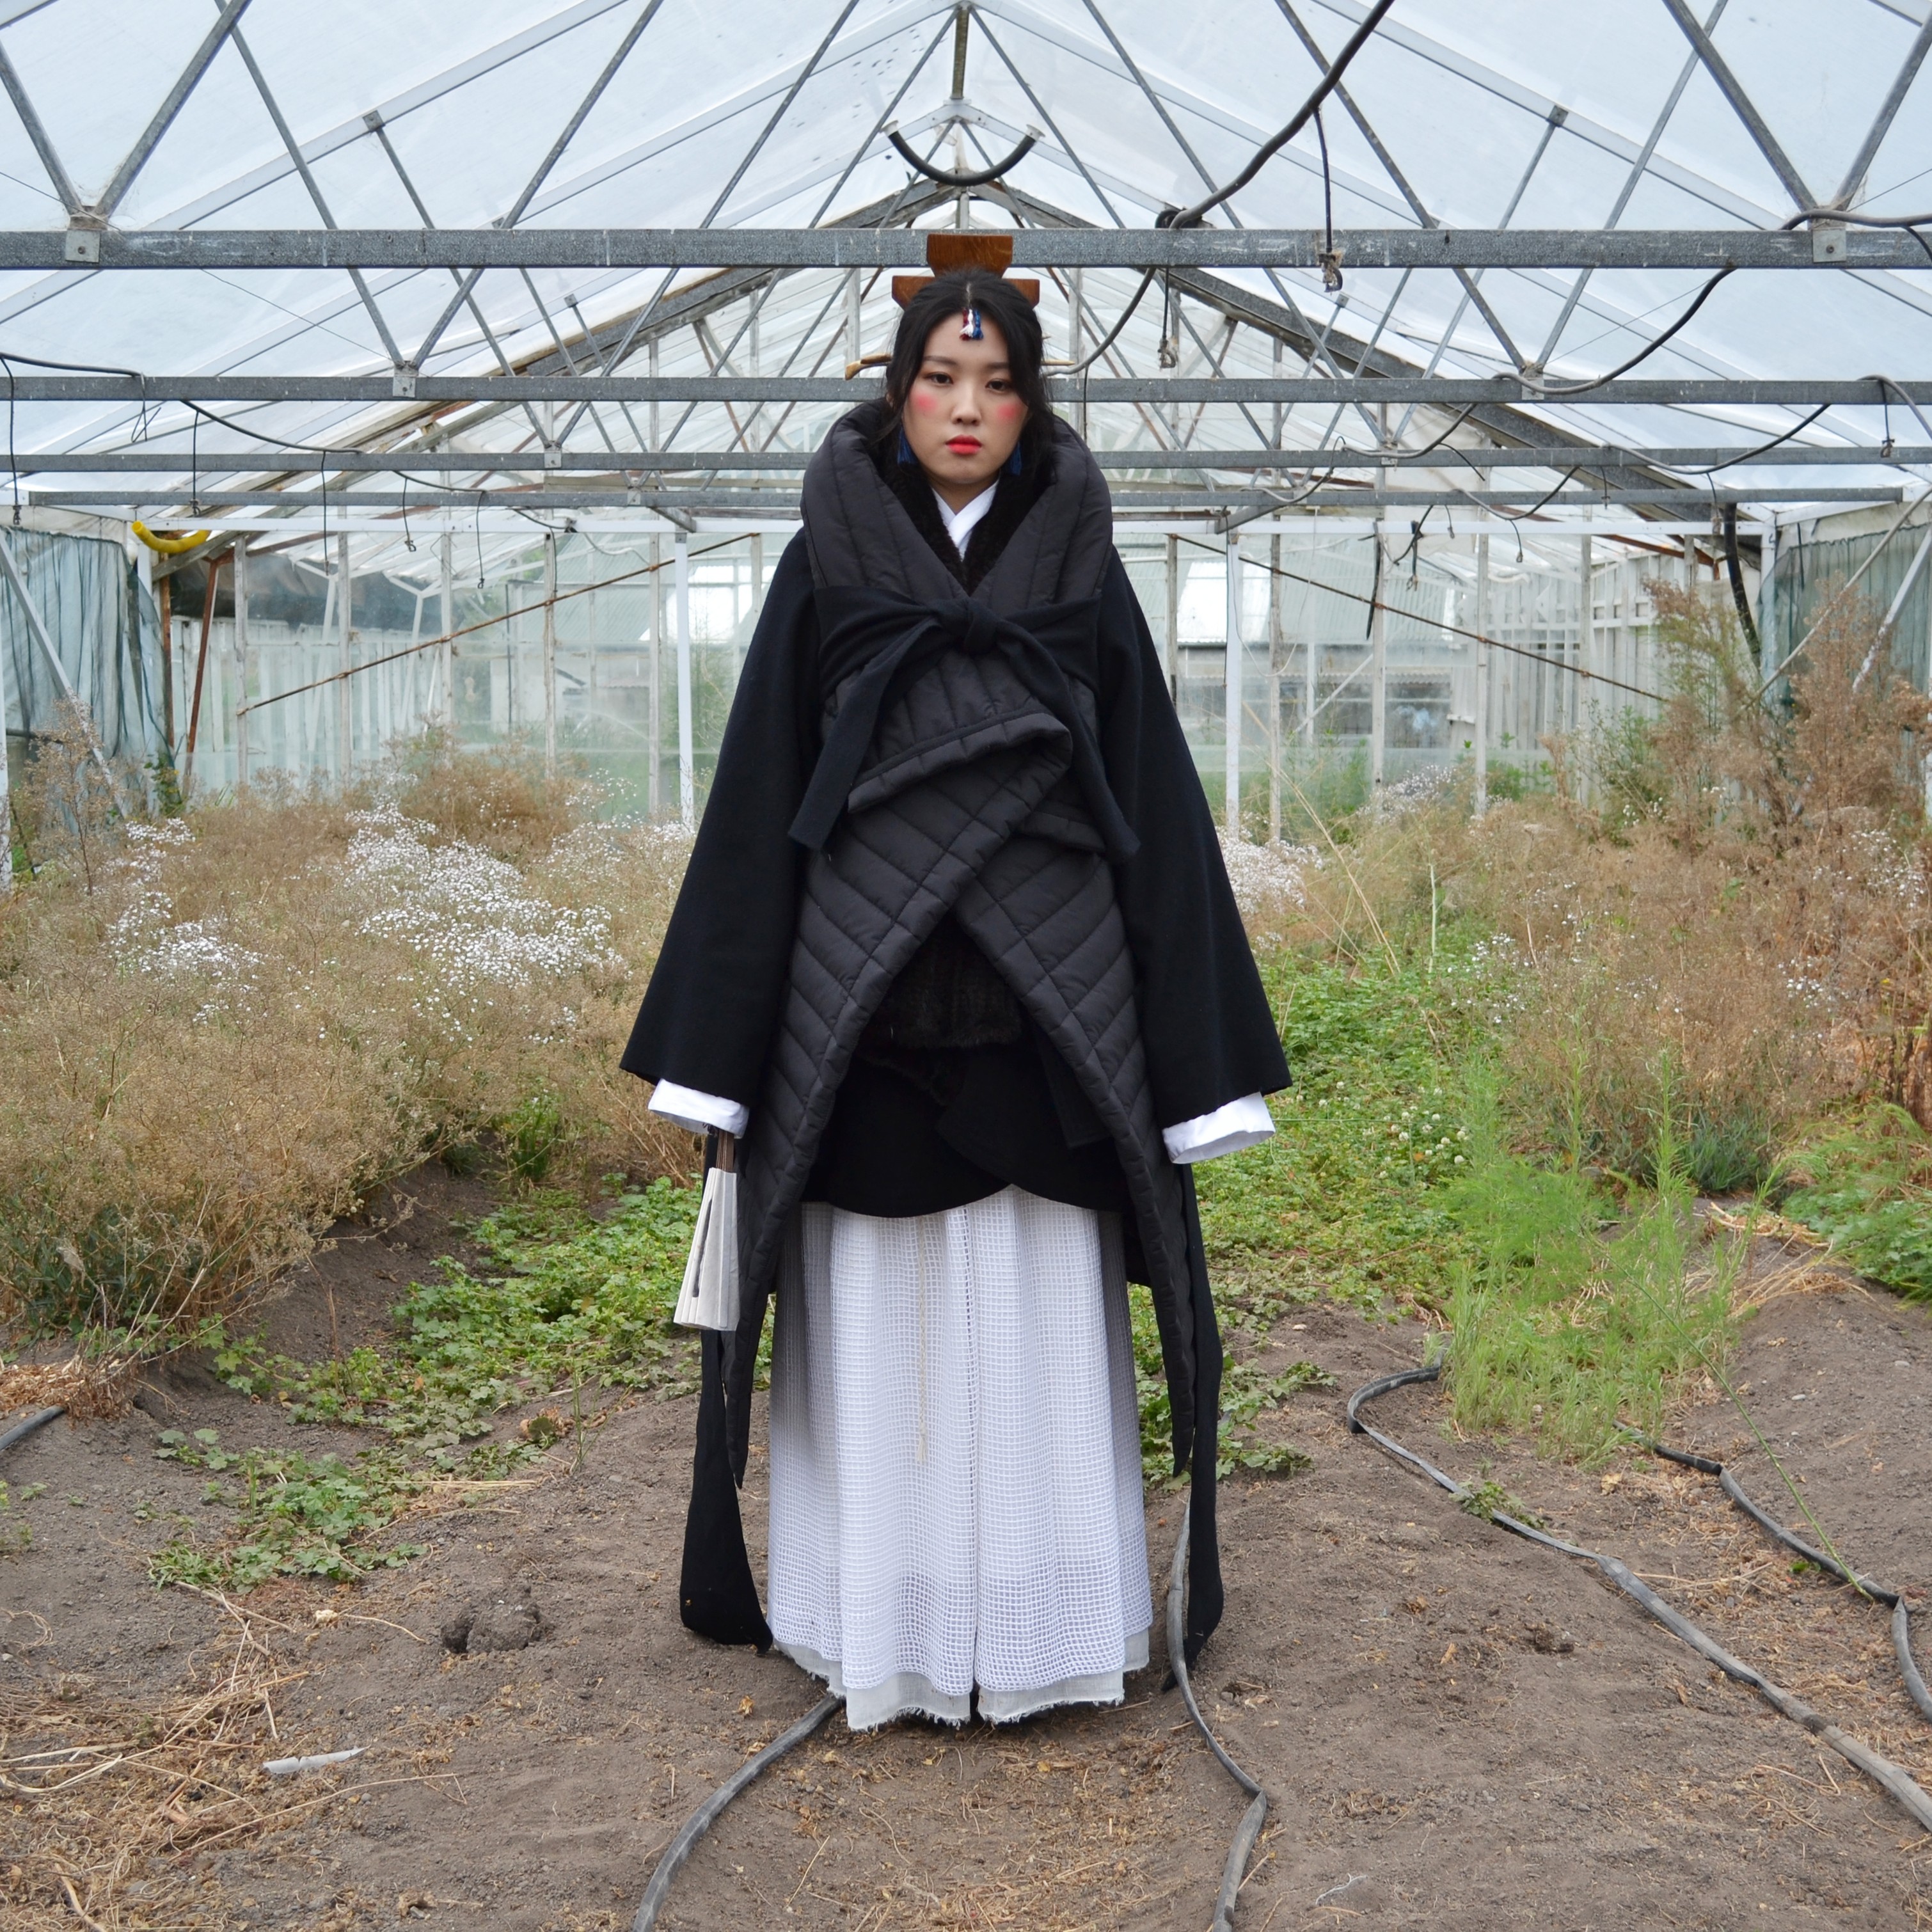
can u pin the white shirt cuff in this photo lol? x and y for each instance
(699, 1113)
(1240, 1123)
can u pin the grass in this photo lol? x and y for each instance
(1345, 1200)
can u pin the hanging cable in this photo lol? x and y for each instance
(1911, 223)
(1549, 390)
(1435, 624)
(1113, 335)
(1191, 217)
(962, 177)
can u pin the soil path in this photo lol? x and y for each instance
(1459, 1730)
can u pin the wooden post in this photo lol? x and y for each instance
(200, 671)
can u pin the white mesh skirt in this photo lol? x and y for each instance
(956, 1487)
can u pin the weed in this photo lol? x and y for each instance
(1344, 1200)
(16, 1538)
(295, 1515)
(1488, 1498)
(568, 1297)
(220, 1031)
(1566, 1320)
(1865, 1183)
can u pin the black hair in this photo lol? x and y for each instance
(998, 302)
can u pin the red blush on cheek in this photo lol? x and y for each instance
(1005, 412)
(924, 402)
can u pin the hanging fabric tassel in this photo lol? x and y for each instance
(709, 1297)
(969, 330)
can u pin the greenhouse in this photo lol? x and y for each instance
(1515, 428)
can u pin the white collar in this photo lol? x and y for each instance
(961, 523)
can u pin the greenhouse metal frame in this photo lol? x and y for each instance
(534, 319)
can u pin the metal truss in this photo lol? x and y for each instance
(233, 250)
(1445, 391)
(1347, 363)
(781, 502)
(700, 462)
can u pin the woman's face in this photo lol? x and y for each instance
(963, 418)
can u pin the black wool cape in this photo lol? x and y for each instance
(902, 752)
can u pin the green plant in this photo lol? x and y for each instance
(1567, 1319)
(1487, 1498)
(534, 1134)
(16, 1539)
(567, 1297)
(1245, 1393)
(1345, 1200)
(1864, 1182)
(295, 1515)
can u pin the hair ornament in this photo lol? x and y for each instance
(969, 330)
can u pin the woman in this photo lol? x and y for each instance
(956, 957)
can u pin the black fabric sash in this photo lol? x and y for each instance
(894, 639)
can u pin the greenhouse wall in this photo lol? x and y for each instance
(1306, 655)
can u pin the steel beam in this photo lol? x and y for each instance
(698, 462)
(777, 500)
(233, 249)
(1447, 392)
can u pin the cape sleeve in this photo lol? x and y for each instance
(1209, 1036)
(707, 1016)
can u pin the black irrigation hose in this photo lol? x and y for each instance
(1910, 1795)
(1255, 1817)
(21, 1431)
(708, 1814)
(1901, 1617)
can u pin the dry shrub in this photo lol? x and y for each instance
(499, 799)
(111, 1802)
(224, 1030)
(1730, 934)
(91, 1388)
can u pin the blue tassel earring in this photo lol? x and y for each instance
(905, 449)
(1012, 461)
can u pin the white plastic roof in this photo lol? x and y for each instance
(1530, 113)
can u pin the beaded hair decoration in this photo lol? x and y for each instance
(969, 330)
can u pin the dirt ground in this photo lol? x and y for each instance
(1457, 1729)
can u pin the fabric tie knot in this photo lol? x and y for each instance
(979, 629)
(886, 640)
